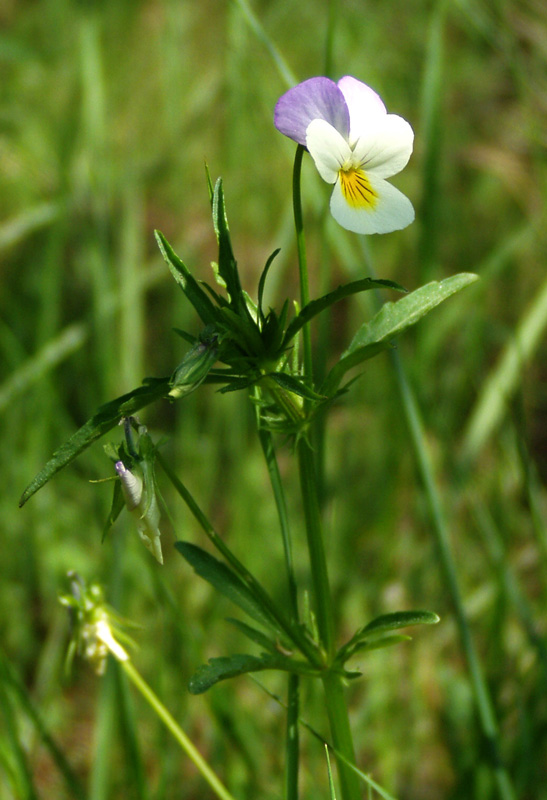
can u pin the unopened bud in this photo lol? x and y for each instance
(140, 499)
(195, 366)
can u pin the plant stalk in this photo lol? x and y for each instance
(292, 738)
(332, 684)
(176, 731)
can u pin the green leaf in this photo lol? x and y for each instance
(191, 288)
(262, 281)
(237, 384)
(227, 265)
(295, 386)
(374, 633)
(118, 504)
(226, 582)
(317, 306)
(254, 635)
(393, 319)
(106, 418)
(397, 620)
(220, 669)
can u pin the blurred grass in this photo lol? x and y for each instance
(107, 114)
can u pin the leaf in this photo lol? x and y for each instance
(226, 582)
(254, 635)
(262, 281)
(227, 265)
(397, 620)
(295, 386)
(106, 418)
(373, 634)
(317, 306)
(118, 504)
(393, 319)
(191, 288)
(220, 669)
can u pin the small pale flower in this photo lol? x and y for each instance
(355, 145)
(93, 625)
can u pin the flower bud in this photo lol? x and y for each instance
(140, 499)
(195, 366)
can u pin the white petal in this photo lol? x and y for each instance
(328, 148)
(384, 147)
(363, 104)
(104, 634)
(393, 210)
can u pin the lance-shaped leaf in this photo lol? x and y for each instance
(220, 669)
(393, 319)
(226, 582)
(106, 418)
(315, 307)
(227, 265)
(191, 288)
(294, 385)
(375, 632)
(255, 635)
(262, 283)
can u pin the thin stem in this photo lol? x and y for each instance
(176, 731)
(292, 745)
(318, 561)
(342, 738)
(268, 449)
(302, 259)
(292, 739)
(332, 683)
(309, 486)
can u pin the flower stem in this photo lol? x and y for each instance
(335, 701)
(302, 258)
(292, 743)
(218, 788)
(318, 562)
(332, 683)
(334, 696)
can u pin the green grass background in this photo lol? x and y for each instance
(108, 112)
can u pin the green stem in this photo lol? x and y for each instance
(332, 683)
(334, 695)
(302, 259)
(440, 527)
(318, 561)
(342, 739)
(293, 685)
(292, 738)
(155, 703)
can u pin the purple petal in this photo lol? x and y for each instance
(316, 98)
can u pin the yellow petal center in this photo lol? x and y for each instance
(356, 189)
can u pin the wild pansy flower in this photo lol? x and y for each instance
(355, 145)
